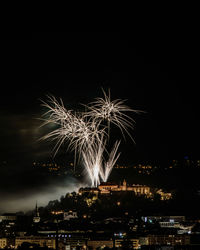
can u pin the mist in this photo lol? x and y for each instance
(11, 202)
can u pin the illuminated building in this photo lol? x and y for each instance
(70, 215)
(67, 238)
(107, 188)
(41, 241)
(163, 195)
(9, 217)
(138, 189)
(88, 190)
(7, 243)
(171, 240)
(91, 201)
(134, 243)
(163, 218)
(3, 242)
(95, 244)
(66, 215)
(36, 217)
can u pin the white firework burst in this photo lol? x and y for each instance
(86, 133)
(103, 109)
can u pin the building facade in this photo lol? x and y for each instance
(36, 217)
(107, 188)
(3, 243)
(170, 240)
(9, 217)
(41, 241)
(70, 215)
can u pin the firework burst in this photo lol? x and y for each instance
(86, 133)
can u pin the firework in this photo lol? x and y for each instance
(87, 133)
(103, 109)
(71, 127)
(113, 156)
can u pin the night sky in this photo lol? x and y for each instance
(155, 72)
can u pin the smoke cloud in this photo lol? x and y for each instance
(25, 200)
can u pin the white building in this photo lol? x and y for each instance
(70, 215)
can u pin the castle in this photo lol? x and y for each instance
(107, 188)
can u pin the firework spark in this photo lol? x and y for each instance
(87, 134)
(103, 109)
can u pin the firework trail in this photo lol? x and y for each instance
(86, 133)
(113, 156)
